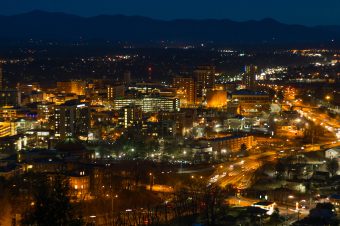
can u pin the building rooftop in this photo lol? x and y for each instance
(249, 92)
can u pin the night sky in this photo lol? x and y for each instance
(307, 12)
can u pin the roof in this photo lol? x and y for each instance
(249, 92)
(70, 145)
(223, 138)
(263, 203)
(336, 149)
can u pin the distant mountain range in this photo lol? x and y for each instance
(46, 26)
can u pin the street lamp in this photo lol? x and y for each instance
(151, 181)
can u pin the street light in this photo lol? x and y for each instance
(289, 197)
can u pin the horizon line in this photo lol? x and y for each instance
(161, 19)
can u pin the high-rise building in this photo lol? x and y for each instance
(9, 97)
(205, 80)
(185, 90)
(115, 91)
(249, 77)
(132, 115)
(127, 77)
(72, 119)
(45, 111)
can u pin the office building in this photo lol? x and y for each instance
(149, 104)
(205, 79)
(72, 119)
(251, 102)
(249, 76)
(9, 98)
(115, 91)
(127, 77)
(132, 115)
(185, 90)
(45, 111)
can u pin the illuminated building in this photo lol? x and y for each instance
(9, 112)
(334, 153)
(149, 104)
(45, 111)
(38, 138)
(179, 118)
(237, 123)
(75, 86)
(216, 99)
(121, 103)
(13, 143)
(251, 102)
(7, 129)
(205, 80)
(156, 104)
(28, 88)
(80, 185)
(9, 98)
(166, 128)
(249, 77)
(72, 119)
(229, 143)
(185, 90)
(115, 91)
(132, 115)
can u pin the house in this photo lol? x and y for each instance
(333, 153)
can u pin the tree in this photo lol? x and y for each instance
(51, 206)
(332, 166)
(244, 150)
(276, 218)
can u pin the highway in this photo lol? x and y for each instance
(240, 173)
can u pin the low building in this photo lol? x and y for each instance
(7, 129)
(80, 185)
(251, 102)
(229, 144)
(334, 153)
(149, 104)
(13, 143)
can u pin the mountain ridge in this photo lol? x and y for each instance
(56, 26)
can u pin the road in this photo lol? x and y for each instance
(240, 173)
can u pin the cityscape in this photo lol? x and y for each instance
(124, 120)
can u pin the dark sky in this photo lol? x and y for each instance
(308, 12)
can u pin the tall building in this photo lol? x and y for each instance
(9, 97)
(115, 91)
(249, 77)
(45, 111)
(205, 80)
(72, 119)
(132, 115)
(185, 90)
(127, 77)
